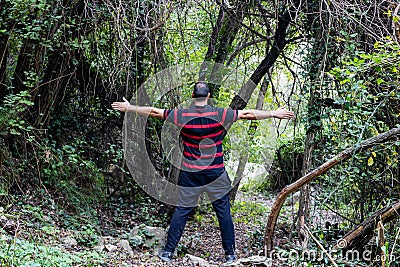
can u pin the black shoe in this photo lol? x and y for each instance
(165, 255)
(230, 258)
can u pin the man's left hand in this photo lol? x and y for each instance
(121, 106)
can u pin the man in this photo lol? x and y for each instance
(202, 129)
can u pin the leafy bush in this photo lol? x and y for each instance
(286, 167)
(17, 252)
(10, 113)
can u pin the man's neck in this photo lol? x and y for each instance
(200, 103)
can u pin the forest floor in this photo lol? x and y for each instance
(34, 231)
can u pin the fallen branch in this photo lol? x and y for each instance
(346, 154)
(361, 234)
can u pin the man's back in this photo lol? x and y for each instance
(202, 129)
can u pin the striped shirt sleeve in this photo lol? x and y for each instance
(166, 113)
(171, 115)
(228, 115)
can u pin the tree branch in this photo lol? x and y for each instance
(346, 154)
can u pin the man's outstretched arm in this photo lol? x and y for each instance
(255, 114)
(141, 110)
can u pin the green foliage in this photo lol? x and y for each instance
(36, 242)
(181, 48)
(182, 249)
(17, 252)
(257, 238)
(286, 167)
(67, 170)
(11, 121)
(87, 236)
(367, 93)
(248, 211)
(382, 62)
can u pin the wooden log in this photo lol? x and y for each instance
(361, 234)
(344, 155)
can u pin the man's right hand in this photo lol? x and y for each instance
(255, 114)
(282, 113)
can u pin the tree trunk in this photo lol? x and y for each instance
(396, 23)
(318, 61)
(346, 154)
(25, 64)
(314, 126)
(381, 239)
(240, 100)
(304, 200)
(224, 32)
(4, 52)
(250, 135)
(50, 92)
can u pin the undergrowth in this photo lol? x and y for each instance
(24, 253)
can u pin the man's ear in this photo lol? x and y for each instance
(208, 95)
(192, 94)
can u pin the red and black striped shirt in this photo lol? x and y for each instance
(202, 129)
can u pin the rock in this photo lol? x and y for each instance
(111, 248)
(69, 241)
(100, 247)
(8, 225)
(252, 261)
(125, 245)
(192, 241)
(106, 239)
(196, 261)
(136, 240)
(151, 236)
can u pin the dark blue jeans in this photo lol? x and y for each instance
(217, 187)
